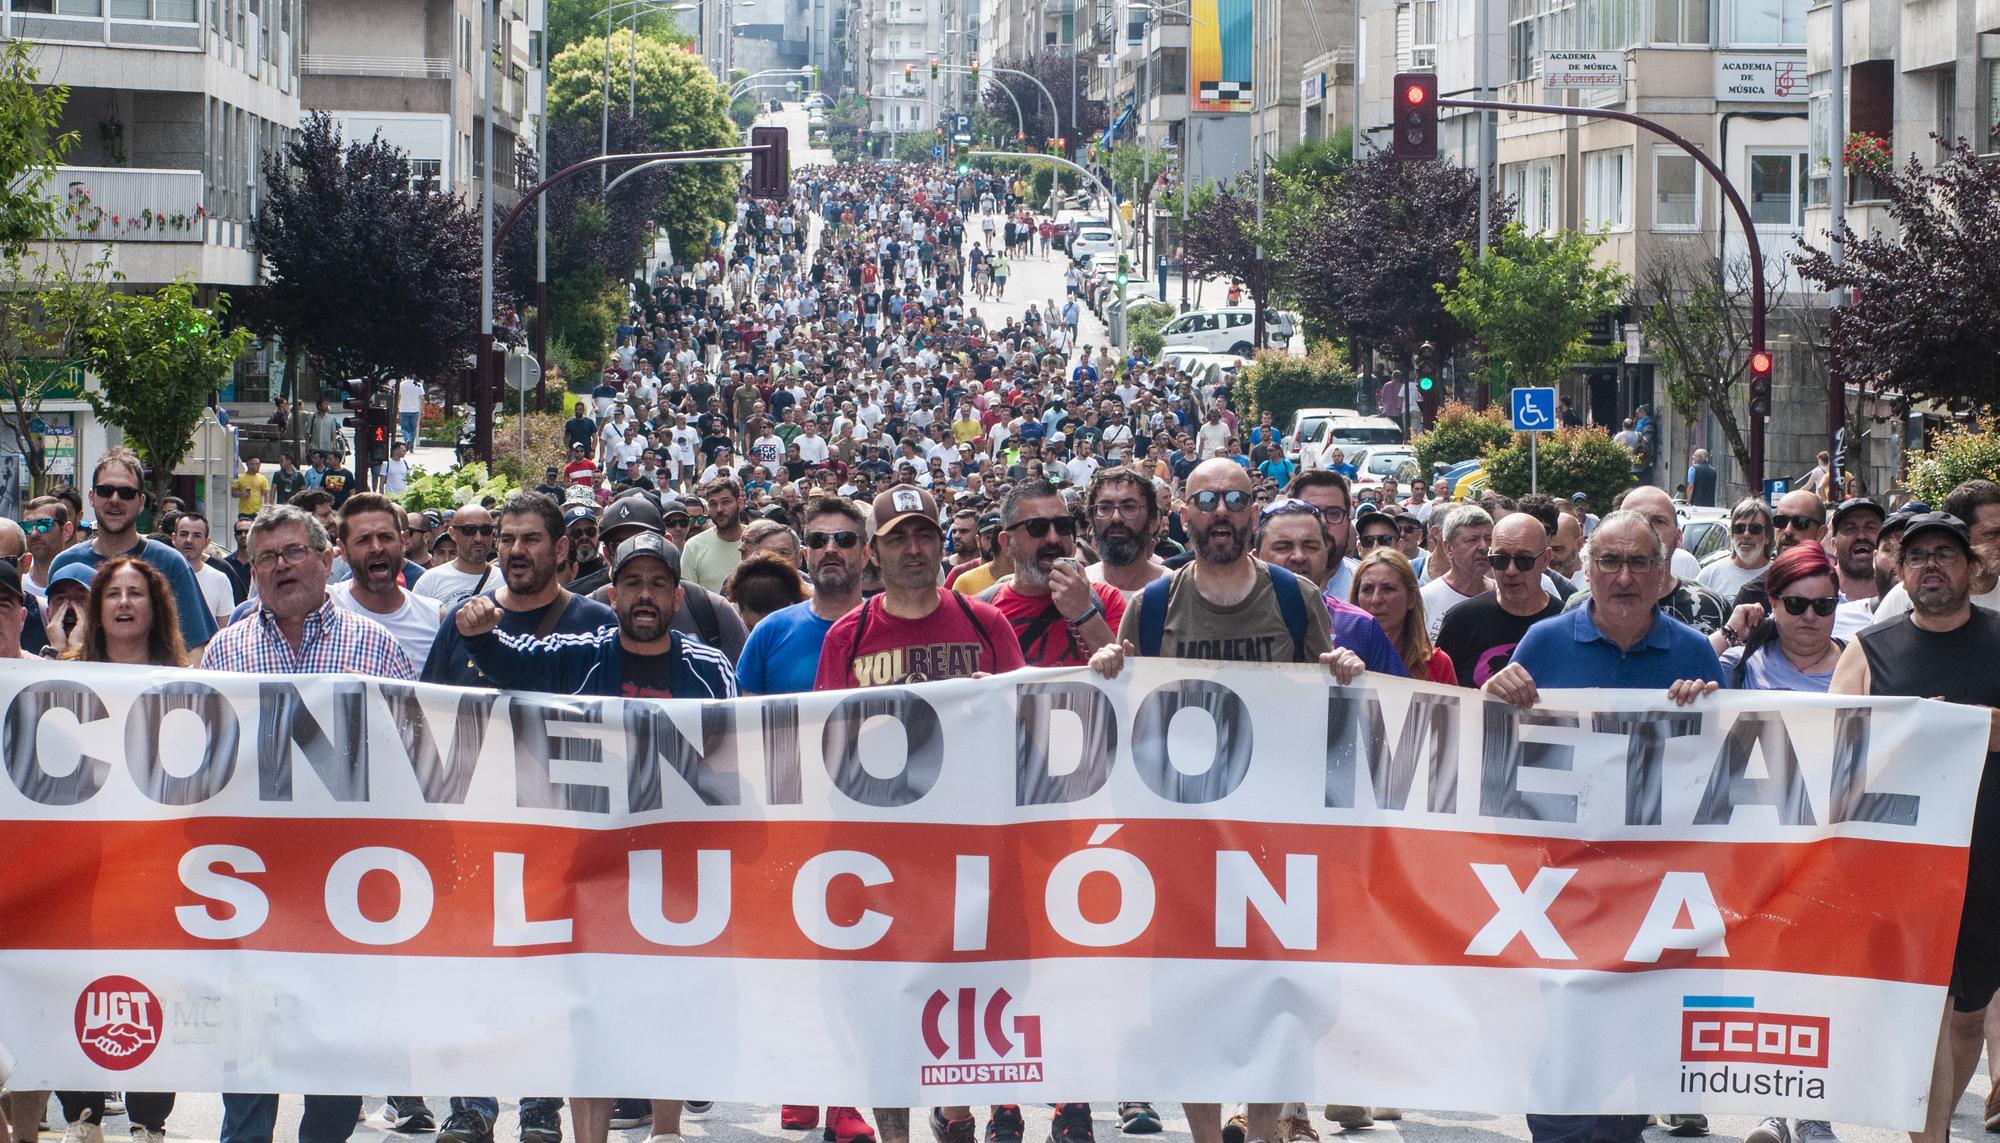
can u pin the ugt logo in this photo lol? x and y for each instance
(117, 1022)
(971, 1022)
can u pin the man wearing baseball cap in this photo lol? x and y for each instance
(1976, 504)
(703, 614)
(639, 656)
(1945, 647)
(13, 613)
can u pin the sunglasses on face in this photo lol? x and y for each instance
(121, 491)
(1751, 528)
(1522, 561)
(1798, 523)
(1040, 525)
(39, 525)
(473, 529)
(1797, 604)
(843, 539)
(1375, 540)
(1236, 500)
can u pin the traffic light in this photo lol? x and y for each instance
(1124, 270)
(1760, 383)
(375, 435)
(354, 395)
(975, 73)
(1416, 135)
(938, 131)
(909, 73)
(964, 167)
(770, 166)
(934, 68)
(1426, 367)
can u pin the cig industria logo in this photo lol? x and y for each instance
(986, 1046)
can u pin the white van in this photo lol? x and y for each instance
(1227, 330)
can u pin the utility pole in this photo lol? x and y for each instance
(1836, 201)
(481, 371)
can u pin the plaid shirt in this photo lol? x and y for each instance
(335, 641)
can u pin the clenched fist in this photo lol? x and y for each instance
(478, 615)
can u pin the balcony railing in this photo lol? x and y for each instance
(395, 67)
(128, 204)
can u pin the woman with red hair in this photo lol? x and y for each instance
(1793, 648)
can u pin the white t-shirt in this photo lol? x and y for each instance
(1439, 598)
(812, 447)
(216, 591)
(449, 587)
(415, 624)
(1725, 578)
(1684, 564)
(395, 476)
(410, 396)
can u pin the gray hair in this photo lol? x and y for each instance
(277, 516)
(1462, 517)
(1627, 516)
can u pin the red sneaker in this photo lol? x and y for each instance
(846, 1125)
(798, 1117)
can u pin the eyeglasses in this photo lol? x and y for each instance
(121, 491)
(842, 539)
(1749, 528)
(1374, 539)
(1039, 526)
(39, 524)
(1611, 565)
(1130, 509)
(1942, 557)
(473, 529)
(290, 553)
(1522, 561)
(1801, 523)
(1797, 604)
(1236, 500)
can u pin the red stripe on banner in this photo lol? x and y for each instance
(1836, 907)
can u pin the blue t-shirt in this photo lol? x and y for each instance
(197, 625)
(1569, 651)
(781, 656)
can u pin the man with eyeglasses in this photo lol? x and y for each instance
(419, 529)
(1944, 646)
(1481, 634)
(1976, 503)
(1800, 517)
(117, 493)
(1681, 596)
(1124, 510)
(1290, 535)
(1059, 615)
(1333, 495)
(782, 654)
(469, 573)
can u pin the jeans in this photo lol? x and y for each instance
(409, 419)
(1580, 1128)
(254, 1118)
(148, 1108)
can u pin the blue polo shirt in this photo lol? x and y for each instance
(781, 657)
(1569, 651)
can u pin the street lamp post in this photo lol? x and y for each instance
(632, 10)
(1154, 7)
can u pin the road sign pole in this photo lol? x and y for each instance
(1534, 464)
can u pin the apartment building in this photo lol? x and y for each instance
(411, 71)
(891, 44)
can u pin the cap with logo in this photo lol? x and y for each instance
(1937, 522)
(1858, 504)
(647, 545)
(1901, 516)
(577, 513)
(73, 573)
(627, 515)
(901, 503)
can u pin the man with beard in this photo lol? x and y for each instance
(1059, 615)
(117, 493)
(1290, 535)
(1227, 606)
(1480, 634)
(417, 535)
(782, 654)
(1976, 503)
(702, 614)
(1749, 550)
(50, 529)
(580, 528)
(371, 541)
(1330, 492)
(469, 573)
(639, 655)
(1857, 525)
(711, 555)
(1124, 509)
(1945, 647)
(998, 561)
(964, 536)
(529, 600)
(1800, 516)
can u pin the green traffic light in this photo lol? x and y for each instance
(1425, 384)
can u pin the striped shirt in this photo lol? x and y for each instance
(335, 641)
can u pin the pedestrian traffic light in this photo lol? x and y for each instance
(938, 131)
(934, 67)
(770, 163)
(1426, 366)
(1416, 134)
(354, 394)
(1760, 383)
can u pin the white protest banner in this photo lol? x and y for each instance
(1197, 882)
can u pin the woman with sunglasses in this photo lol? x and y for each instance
(1794, 648)
(1750, 537)
(1385, 586)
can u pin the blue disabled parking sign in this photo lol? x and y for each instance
(1534, 410)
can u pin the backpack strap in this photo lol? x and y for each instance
(1153, 615)
(1291, 606)
(965, 606)
(702, 610)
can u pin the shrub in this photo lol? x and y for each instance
(1461, 433)
(545, 447)
(1143, 323)
(465, 484)
(1568, 461)
(1281, 384)
(1958, 454)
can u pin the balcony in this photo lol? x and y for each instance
(124, 204)
(391, 67)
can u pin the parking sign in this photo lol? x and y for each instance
(1534, 410)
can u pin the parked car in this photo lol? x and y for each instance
(1308, 428)
(1705, 532)
(1374, 465)
(1228, 330)
(817, 101)
(1204, 367)
(1091, 241)
(1349, 433)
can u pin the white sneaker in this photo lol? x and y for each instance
(84, 1131)
(1387, 1114)
(144, 1134)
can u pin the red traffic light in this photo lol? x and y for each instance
(1416, 124)
(1415, 93)
(1760, 363)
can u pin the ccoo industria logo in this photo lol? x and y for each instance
(977, 1036)
(1729, 1045)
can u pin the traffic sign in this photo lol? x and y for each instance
(1534, 410)
(523, 371)
(937, 152)
(961, 124)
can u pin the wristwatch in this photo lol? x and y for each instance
(1096, 608)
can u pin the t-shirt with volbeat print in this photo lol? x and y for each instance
(869, 647)
(1252, 631)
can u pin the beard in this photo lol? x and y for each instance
(1219, 549)
(1032, 574)
(528, 579)
(1120, 546)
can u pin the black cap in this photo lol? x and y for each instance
(578, 512)
(1937, 522)
(990, 522)
(627, 514)
(1901, 516)
(1369, 514)
(1858, 504)
(647, 545)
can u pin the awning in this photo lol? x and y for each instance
(1117, 123)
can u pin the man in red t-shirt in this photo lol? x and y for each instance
(1059, 615)
(580, 469)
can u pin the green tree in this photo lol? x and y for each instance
(159, 359)
(1566, 462)
(1281, 385)
(1531, 302)
(682, 108)
(1698, 322)
(30, 149)
(572, 21)
(1460, 433)
(1958, 454)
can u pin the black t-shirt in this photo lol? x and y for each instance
(646, 676)
(337, 483)
(1480, 635)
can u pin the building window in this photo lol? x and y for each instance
(1533, 189)
(1987, 105)
(34, 7)
(1171, 71)
(1522, 58)
(424, 171)
(1676, 191)
(1607, 190)
(182, 11)
(79, 7)
(1776, 196)
(1767, 22)
(1607, 25)
(1946, 94)
(1681, 22)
